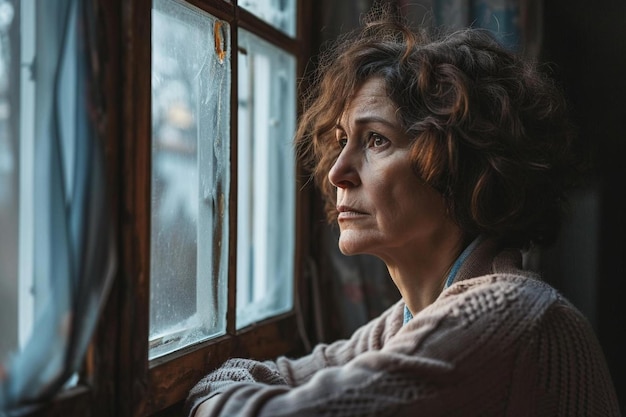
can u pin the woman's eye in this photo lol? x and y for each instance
(377, 141)
(342, 142)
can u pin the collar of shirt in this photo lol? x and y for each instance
(453, 271)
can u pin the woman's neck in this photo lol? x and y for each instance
(421, 275)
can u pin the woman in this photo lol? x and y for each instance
(448, 159)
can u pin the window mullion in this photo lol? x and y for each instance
(231, 314)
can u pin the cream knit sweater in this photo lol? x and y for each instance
(498, 342)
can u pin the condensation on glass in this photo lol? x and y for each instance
(266, 180)
(279, 13)
(190, 176)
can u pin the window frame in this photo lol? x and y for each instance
(118, 379)
(160, 386)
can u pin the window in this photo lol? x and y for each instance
(266, 173)
(198, 117)
(16, 181)
(209, 191)
(190, 176)
(280, 14)
(52, 199)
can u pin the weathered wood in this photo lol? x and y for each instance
(172, 376)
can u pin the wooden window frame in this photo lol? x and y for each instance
(161, 385)
(118, 380)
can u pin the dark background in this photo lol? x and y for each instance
(587, 42)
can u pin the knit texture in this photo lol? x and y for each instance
(498, 342)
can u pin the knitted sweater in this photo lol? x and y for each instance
(498, 342)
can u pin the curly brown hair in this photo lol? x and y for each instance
(490, 128)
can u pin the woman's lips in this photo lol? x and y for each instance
(347, 212)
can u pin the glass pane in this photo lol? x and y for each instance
(278, 13)
(190, 176)
(24, 104)
(266, 180)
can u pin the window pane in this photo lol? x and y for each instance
(190, 176)
(10, 218)
(25, 102)
(278, 13)
(266, 180)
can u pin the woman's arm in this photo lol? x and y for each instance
(295, 372)
(479, 350)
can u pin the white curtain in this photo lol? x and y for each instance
(73, 253)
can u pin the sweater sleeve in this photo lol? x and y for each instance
(369, 337)
(294, 372)
(417, 369)
(378, 382)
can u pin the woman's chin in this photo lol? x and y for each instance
(346, 251)
(349, 246)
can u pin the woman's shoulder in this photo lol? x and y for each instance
(511, 290)
(518, 300)
(493, 315)
(496, 279)
(511, 285)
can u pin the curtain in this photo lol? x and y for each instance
(73, 250)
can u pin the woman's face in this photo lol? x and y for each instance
(384, 208)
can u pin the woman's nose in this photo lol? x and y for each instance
(344, 173)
